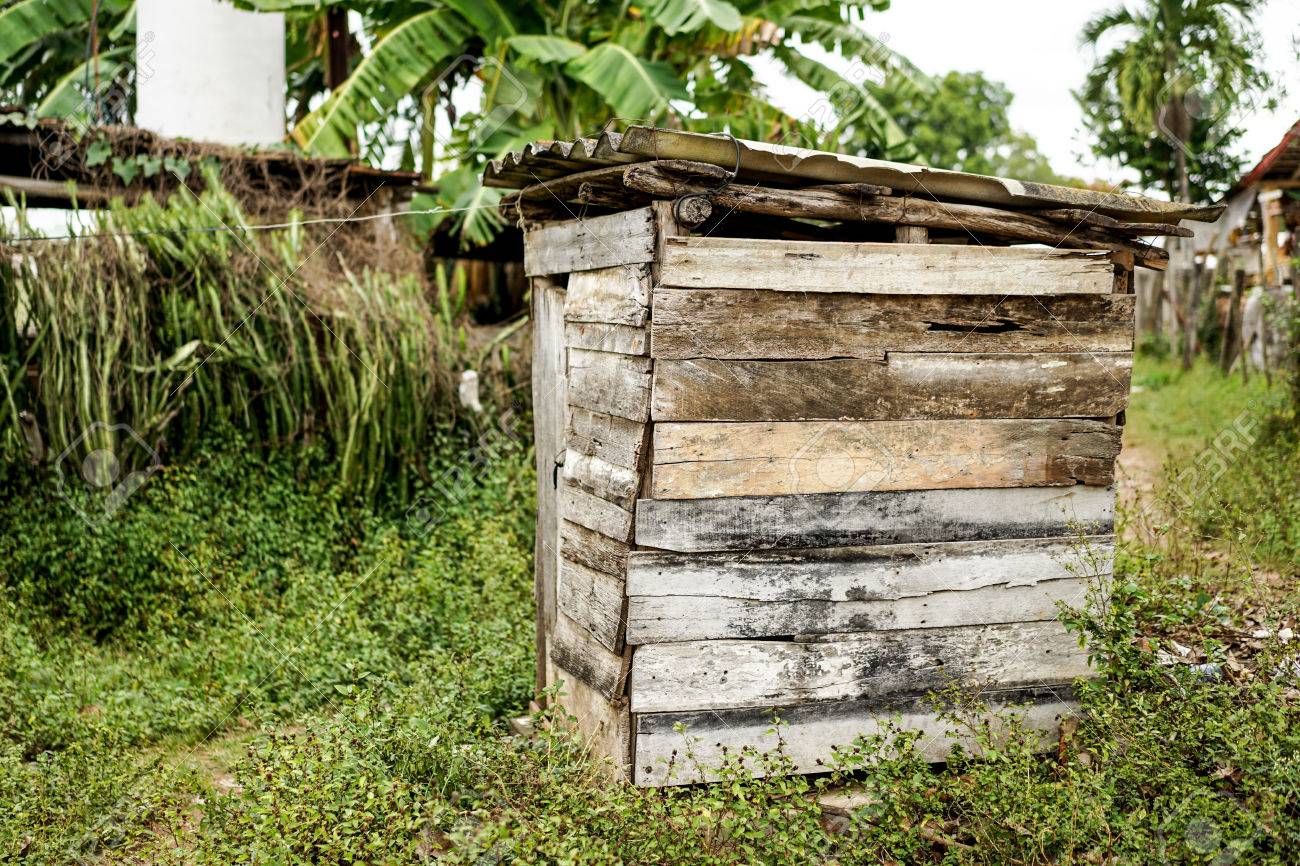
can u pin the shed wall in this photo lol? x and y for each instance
(823, 478)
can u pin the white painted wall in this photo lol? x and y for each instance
(209, 72)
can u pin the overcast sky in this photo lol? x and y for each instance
(1032, 46)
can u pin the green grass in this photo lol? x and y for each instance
(244, 666)
(1174, 412)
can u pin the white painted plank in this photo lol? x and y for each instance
(810, 733)
(721, 674)
(680, 597)
(875, 517)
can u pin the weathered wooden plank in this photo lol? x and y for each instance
(616, 484)
(871, 518)
(701, 461)
(618, 295)
(596, 514)
(606, 725)
(884, 572)
(582, 545)
(593, 600)
(810, 732)
(609, 382)
(886, 269)
(855, 202)
(576, 651)
(721, 674)
(668, 618)
(612, 439)
(675, 596)
(586, 244)
(727, 323)
(907, 385)
(601, 337)
(548, 386)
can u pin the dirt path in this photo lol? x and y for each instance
(1137, 471)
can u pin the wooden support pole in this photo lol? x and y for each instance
(1232, 333)
(912, 235)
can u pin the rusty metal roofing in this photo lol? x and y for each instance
(759, 162)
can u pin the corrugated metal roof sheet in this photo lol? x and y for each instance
(770, 163)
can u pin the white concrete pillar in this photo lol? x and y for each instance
(209, 72)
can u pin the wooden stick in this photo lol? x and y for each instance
(669, 179)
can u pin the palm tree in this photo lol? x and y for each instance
(1178, 70)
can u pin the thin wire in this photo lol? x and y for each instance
(261, 227)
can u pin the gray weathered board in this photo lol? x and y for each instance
(613, 483)
(614, 296)
(726, 674)
(905, 385)
(593, 600)
(582, 545)
(810, 733)
(679, 597)
(910, 269)
(874, 517)
(548, 436)
(582, 655)
(601, 337)
(610, 382)
(706, 460)
(660, 619)
(604, 723)
(598, 515)
(613, 439)
(732, 324)
(593, 242)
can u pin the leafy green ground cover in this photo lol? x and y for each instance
(244, 667)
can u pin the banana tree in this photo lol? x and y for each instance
(560, 71)
(63, 58)
(530, 70)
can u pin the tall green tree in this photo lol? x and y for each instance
(1171, 80)
(963, 124)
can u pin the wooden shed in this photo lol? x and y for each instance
(814, 436)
